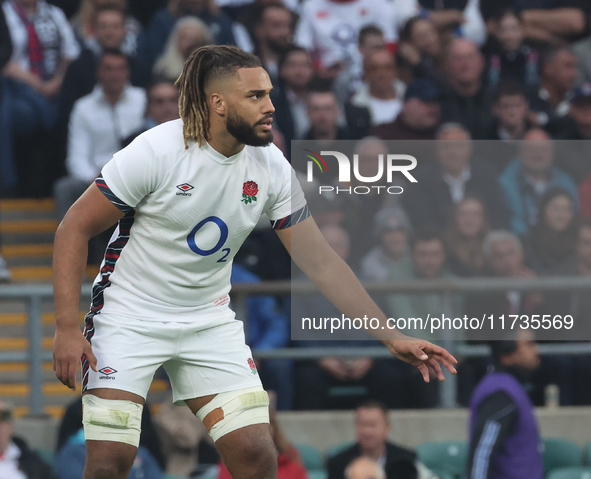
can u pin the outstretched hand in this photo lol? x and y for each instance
(424, 355)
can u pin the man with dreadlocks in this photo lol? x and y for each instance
(185, 195)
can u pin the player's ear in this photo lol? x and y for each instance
(218, 103)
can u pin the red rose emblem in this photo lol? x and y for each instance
(251, 363)
(250, 188)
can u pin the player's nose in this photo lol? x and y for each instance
(268, 106)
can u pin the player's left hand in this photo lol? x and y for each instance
(424, 355)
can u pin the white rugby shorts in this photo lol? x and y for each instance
(206, 356)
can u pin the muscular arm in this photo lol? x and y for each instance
(495, 421)
(92, 214)
(558, 21)
(336, 281)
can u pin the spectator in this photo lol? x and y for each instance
(289, 464)
(185, 443)
(508, 58)
(550, 243)
(350, 79)
(188, 34)
(154, 38)
(393, 229)
(329, 29)
(98, 123)
(379, 98)
(510, 109)
(372, 427)
(268, 328)
(554, 21)
(85, 24)
(365, 468)
(43, 46)
(504, 437)
(163, 106)
(323, 112)
(273, 35)
(455, 174)
(527, 178)
(17, 460)
(71, 424)
(420, 114)
(8, 177)
(467, 101)
(581, 50)
(69, 464)
(427, 261)
(504, 254)
(80, 80)
(315, 379)
(290, 97)
(420, 44)
(464, 237)
(551, 102)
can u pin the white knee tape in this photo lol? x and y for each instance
(111, 420)
(235, 409)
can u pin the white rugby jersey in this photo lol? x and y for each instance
(330, 29)
(188, 211)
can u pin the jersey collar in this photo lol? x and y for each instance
(222, 159)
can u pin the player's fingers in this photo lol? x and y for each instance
(419, 353)
(440, 352)
(72, 369)
(434, 365)
(449, 366)
(424, 371)
(90, 357)
(57, 367)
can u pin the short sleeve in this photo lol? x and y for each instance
(132, 173)
(70, 47)
(289, 196)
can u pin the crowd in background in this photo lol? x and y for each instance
(82, 78)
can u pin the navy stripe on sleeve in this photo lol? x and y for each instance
(293, 219)
(100, 182)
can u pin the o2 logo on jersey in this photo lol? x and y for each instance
(223, 227)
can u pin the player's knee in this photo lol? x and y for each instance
(234, 410)
(111, 420)
(116, 468)
(261, 457)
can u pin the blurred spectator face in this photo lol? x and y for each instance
(537, 152)
(110, 28)
(510, 32)
(28, 4)
(120, 4)
(527, 354)
(454, 150)
(394, 243)
(580, 111)
(338, 239)
(113, 73)
(371, 428)
(6, 426)
(464, 63)
(372, 43)
(323, 111)
(470, 217)
(191, 7)
(428, 258)
(584, 245)
(363, 468)
(511, 111)
(380, 70)
(421, 115)
(297, 70)
(368, 156)
(506, 258)
(425, 38)
(163, 103)
(561, 70)
(559, 212)
(275, 27)
(190, 37)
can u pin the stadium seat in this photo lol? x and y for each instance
(443, 474)
(446, 456)
(571, 473)
(560, 453)
(317, 475)
(336, 449)
(587, 454)
(174, 476)
(311, 457)
(48, 455)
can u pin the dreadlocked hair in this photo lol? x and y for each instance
(205, 64)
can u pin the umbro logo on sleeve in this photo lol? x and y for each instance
(185, 187)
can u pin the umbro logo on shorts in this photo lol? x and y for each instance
(184, 188)
(107, 371)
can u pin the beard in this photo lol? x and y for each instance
(240, 129)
